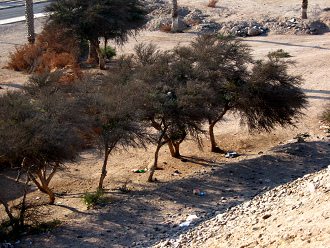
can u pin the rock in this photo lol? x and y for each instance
(254, 31)
(266, 216)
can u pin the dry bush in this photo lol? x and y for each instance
(59, 40)
(25, 58)
(54, 49)
(326, 115)
(167, 28)
(212, 3)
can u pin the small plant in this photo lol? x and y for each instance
(326, 119)
(279, 54)
(125, 188)
(94, 198)
(45, 226)
(212, 3)
(167, 28)
(108, 52)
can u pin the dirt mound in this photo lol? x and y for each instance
(292, 215)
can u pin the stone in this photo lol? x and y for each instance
(254, 31)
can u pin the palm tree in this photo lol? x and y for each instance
(29, 20)
(175, 16)
(304, 9)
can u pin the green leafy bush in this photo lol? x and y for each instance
(92, 199)
(108, 52)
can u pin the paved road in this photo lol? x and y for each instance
(18, 9)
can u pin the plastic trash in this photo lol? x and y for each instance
(231, 155)
(139, 170)
(188, 221)
(196, 191)
(202, 193)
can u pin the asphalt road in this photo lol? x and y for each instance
(19, 10)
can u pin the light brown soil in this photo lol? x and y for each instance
(150, 209)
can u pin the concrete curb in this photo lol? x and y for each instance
(20, 19)
(18, 4)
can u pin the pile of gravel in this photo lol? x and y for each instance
(195, 20)
(256, 212)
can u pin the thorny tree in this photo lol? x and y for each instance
(38, 131)
(111, 109)
(91, 20)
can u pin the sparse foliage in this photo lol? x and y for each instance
(38, 131)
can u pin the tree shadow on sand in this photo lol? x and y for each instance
(137, 218)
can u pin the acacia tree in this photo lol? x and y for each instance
(166, 98)
(265, 97)
(29, 17)
(91, 20)
(38, 132)
(304, 7)
(111, 110)
(221, 64)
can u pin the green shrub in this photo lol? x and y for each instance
(45, 226)
(94, 198)
(108, 52)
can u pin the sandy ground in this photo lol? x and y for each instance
(151, 209)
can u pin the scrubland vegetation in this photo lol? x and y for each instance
(152, 97)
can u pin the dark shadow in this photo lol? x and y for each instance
(9, 43)
(321, 94)
(73, 209)
(285, 44)
(12, 85)
(147, 216)
(200, 161)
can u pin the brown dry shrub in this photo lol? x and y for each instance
(167, 28)
(55, 49)
(59, 39)
(25, 58)
(212, 3)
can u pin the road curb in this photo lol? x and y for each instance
(20, 5)
(20, 19)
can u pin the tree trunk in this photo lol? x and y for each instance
(214, 146)
(23, 204)
(175, 16)
(304, 9)
(101, 59)
(154, 166)
(92, 54)
(177, 150)
(43, 186)
(12, 219)
(29, 17)
(104, 169)
(212, 123)
(170, 145)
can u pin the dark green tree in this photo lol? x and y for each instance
(95, 19)
(38, 132)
